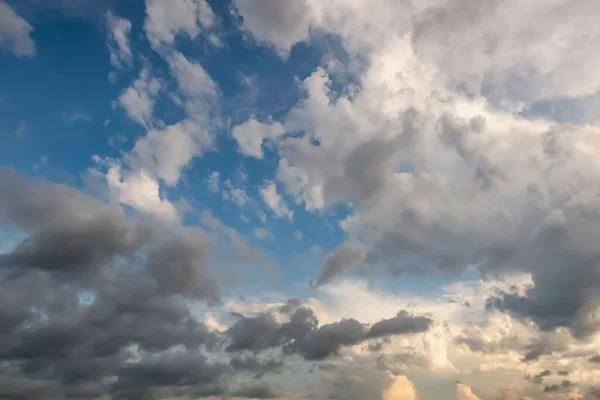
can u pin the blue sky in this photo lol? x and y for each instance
(59, 112)
(300, 199)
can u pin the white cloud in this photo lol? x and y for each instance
(138, 100)
(165, 152)
(15, 32)
(165, 20)
(281, 24)
(198, 93)
(214, 181)
(139, 190)
(274, 200)
(400, 389)
(236, 194)
(252, 134)
(463, 392)
(118, 41)
(193, 80)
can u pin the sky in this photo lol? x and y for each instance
(299, 199)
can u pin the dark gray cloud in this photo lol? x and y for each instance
(86, 286)
(254, 334)
(190, 372)
(339, 261)
(402, 323)
(538, 378)
(565, 269)
(95, 303)
(256, 391)
(556, 387)
(301, 334)
(263, 332)
(255, 366)
(328, 339)
(595, 359)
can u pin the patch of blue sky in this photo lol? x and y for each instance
(60, 111)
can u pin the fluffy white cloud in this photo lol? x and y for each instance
(274, 200)
(281, 24)
(15, 32)
(439, 179)
(118, 41)
(251, 135)
(193, 80)
(138, 100)
(165, 20)
(165, 152)
(139, 190)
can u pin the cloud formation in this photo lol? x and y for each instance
(15, 32)
(430, 166)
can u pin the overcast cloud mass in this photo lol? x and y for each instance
(300, 200)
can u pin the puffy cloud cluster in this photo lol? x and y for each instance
(96, 303)
(438, 156)
(446, 148)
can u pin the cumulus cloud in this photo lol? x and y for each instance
(463, 392)
(73, 250)
(252, 134)
(400, 389)
(138, 100)
(443, 181)
(15, 32)
(273, 22)
(140, 191)
(302, 334)
(433, 132)
(165, 21)
(275, 201)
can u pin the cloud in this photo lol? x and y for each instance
(463, 392)
(213, 181)
(256, 391)
(140, 191)
(425, 176)
(400, 389)
(302, 335)
(164, 22)
(252, 134)
(193, 80)
(340, 260)
(166, 152)
(91, 309)
(138, 100)
(274, 23)
(15, 32)
(402, 323)
(75, 116)
(255, 365)
(274, 200)
(119, 44)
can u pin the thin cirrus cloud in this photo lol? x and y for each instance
(416, 220)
